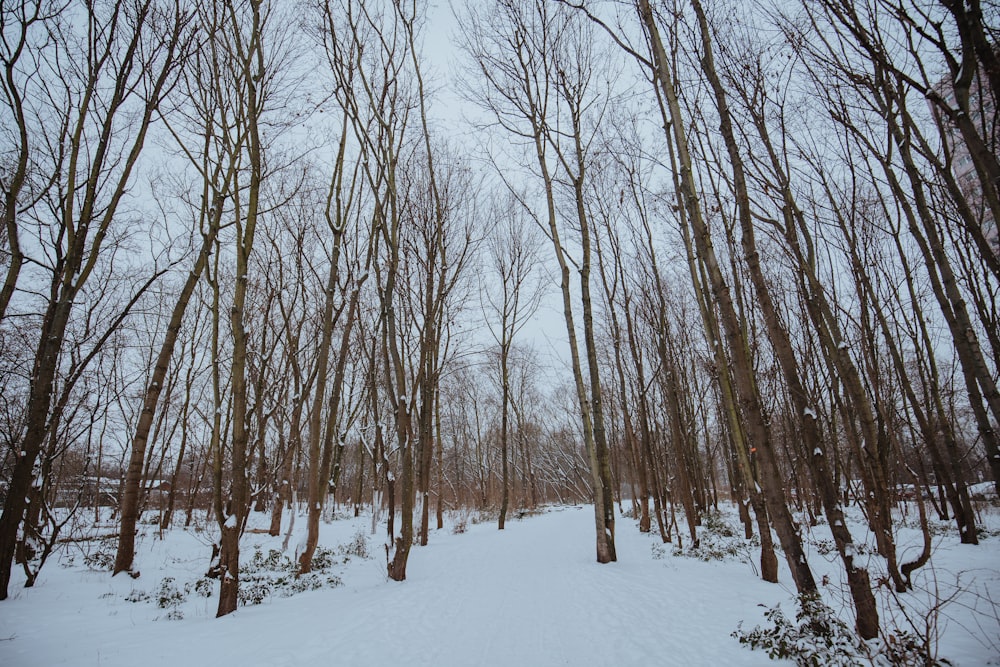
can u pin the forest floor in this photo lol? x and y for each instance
(529, 595)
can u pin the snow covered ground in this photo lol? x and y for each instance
(530, 595)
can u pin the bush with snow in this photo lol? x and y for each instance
(262, 576)
(101, 559)
(719, 540)
(826, 547)
(358, 546)
(171, 596)
(819, 638)
(275, 574)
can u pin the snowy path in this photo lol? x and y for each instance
(530, 595)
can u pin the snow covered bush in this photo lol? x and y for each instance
(265, 574)
(203, 587)
(168, 595)
(718, 540)
(274, 561)
(136, 595)
(716, 523)
(819, 638)
(323, 559)
(253, 591)
(358, 546)
(102, 557)
(100, 560)
(276, 574)
(826, 547)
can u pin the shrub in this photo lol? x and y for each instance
(713, 547)
(203, 587)
(358, 546)
(102, 559)
(819, 638)
(715, 522)
(253, 591)
(276, 575)
(136, 595)
(827, 547)
(718, 540)
(274, 561)
(323, 559)
(168, 595)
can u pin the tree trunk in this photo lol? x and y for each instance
(758, 433)
(133, 477)
(864, 600)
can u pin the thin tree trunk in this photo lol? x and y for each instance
(133, 477)
(858, 580)
(772, 483)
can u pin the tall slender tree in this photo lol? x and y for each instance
(105, 75)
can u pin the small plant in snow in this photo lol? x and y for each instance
(274, 561)
(102, 558)
(358, 546)
(136, 595)
(982, 533)
(253, 592)
(481, 516)
(816, 637)
(203, 588)
(262, 576)
(827, 547)
(323, 559)
(311, 582)
(711, 547)
(715, 522)
(168, 595)
(659, 551)
(718, 540)
(275, 574)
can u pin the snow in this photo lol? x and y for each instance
(529, 595)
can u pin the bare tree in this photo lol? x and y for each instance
(858, 580)
(538, 64)
(24, 26)
(747, 392)
(249, 56)
(514, 263)
(339, 213)
(104, 82)
(211, 115)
